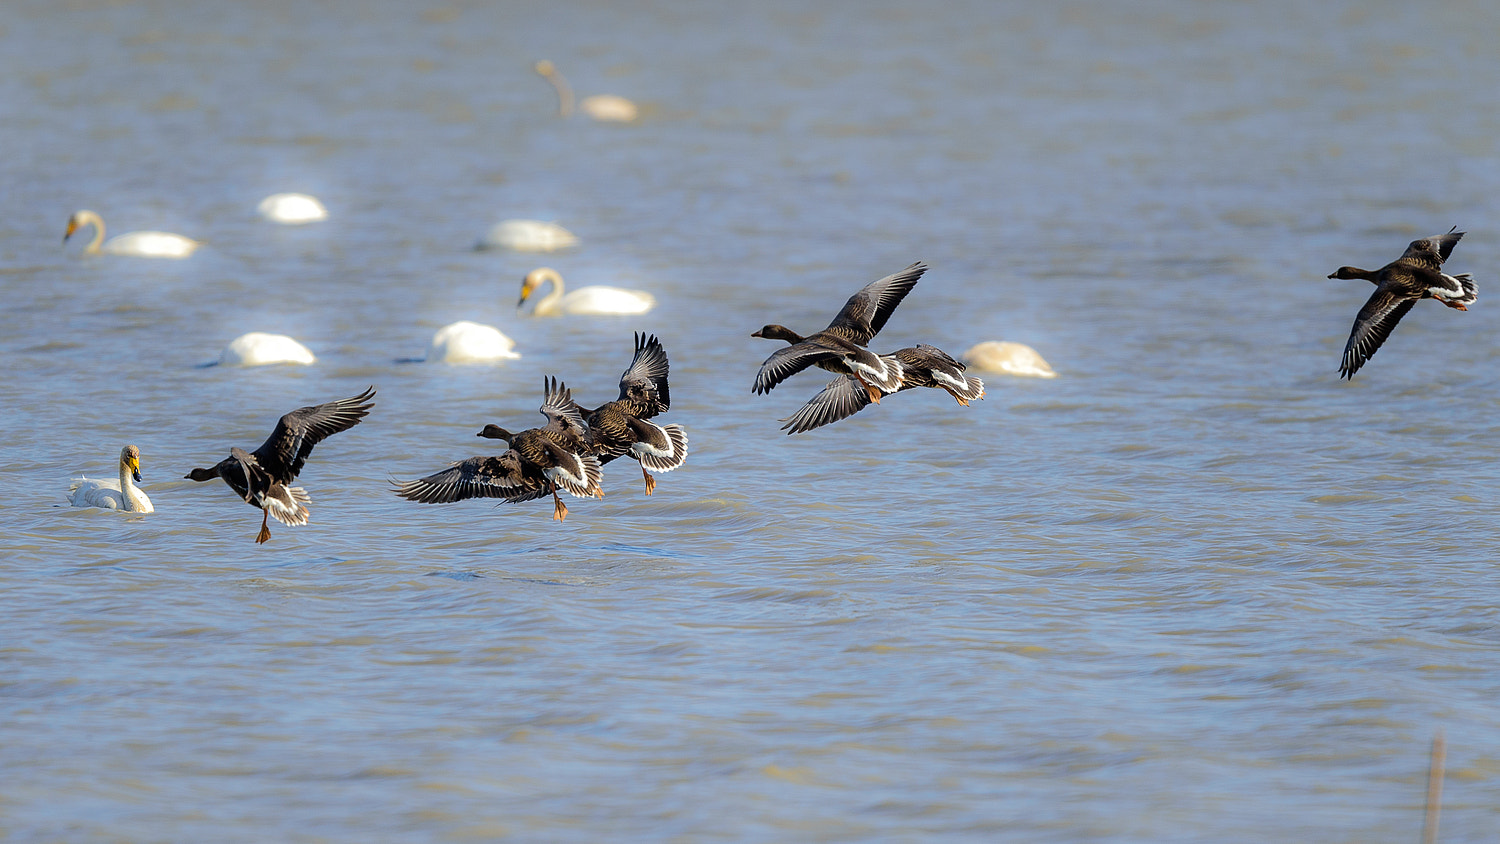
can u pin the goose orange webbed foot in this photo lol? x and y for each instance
(650, 481)
(265, 531)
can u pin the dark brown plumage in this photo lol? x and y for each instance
(1415, 275)
(841, 346)
(620, 428)
(921, 366)
(263, 477)
(537, 462)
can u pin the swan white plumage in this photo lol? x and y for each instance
(292, 208)
(145, 244)
(527, 236)
(258, 349)
(469, 342)
(114, 495)
(1008, 358)
(606, 108)
(587, 300)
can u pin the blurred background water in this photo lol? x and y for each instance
(1196, 588)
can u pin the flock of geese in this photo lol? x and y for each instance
(567, 454)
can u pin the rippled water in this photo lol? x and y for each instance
(1196, 588)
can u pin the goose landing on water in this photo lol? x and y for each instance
(621, 428)
(263, 477)
(537, 463)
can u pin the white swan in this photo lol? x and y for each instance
(469, 342)
(292, 208)
(141, 244)
(1008, 358)
(606, 108)
(587, 300)
(257, 349)
(114, 495)
(527, 236)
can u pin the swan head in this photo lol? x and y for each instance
(545, 67)
(130, 458)
(495, 432)
(534, 279)
(76, 222)
(778, 332)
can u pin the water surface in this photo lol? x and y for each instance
(1196, 588)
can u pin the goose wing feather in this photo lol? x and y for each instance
(788, 361)
(285, 452)
(866, 312)
(1433, 250)
(841, 398)
(1374, 323)
(477, 477)
(647, 372)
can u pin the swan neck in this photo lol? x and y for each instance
(559, 84)
(89, 218)
(129, 495)
(548, 304)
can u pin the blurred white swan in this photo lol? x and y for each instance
(114, 495)
(587, 300)
(141, 244)
(527, 236)
(1008, 358)
(606, 108)
(469, 342)
(258, 349)
(292, 208)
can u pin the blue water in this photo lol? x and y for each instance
(1195, 588)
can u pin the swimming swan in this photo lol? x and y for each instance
(527, 236)
(606, 108)
(292, 209)
(469, 342)
(257, 349)
(114, 495)
(1008, 358)
(587, 300)
(141, 244)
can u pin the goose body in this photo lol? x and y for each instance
(292, 209)
(538, 462)
(840, 347)
(114, 495)
(593, 300)
(622, 427)
(470, 342)
(1399, 285)
(527, 236)
(258, 349)
(263, 478)
(921, 366)
(142, 244)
